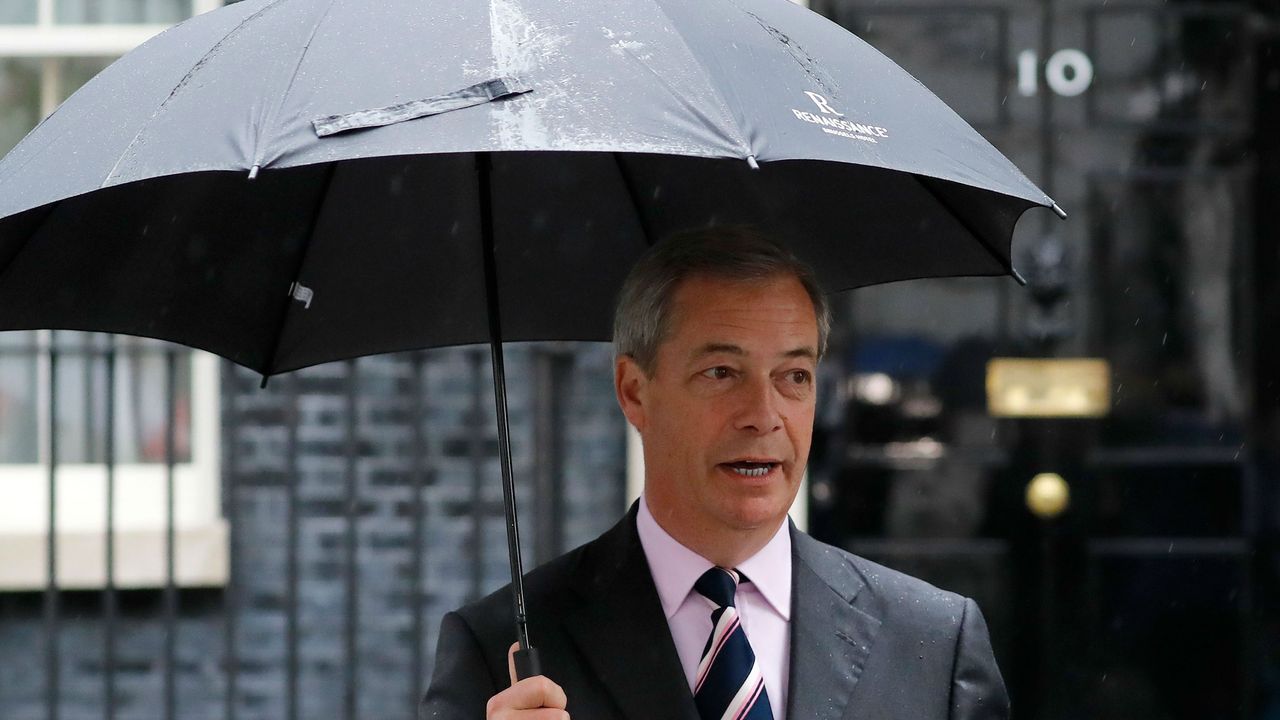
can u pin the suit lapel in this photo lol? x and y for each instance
(622, 631)
(830, 638)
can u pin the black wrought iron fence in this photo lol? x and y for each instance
(360, 502)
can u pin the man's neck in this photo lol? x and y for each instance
(725, 547)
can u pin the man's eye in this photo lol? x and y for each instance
(801, 377)
(720, 372)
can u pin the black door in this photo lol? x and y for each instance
(1151, 594)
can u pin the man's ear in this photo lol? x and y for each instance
(629, 383)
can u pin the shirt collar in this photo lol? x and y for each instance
(675, 568)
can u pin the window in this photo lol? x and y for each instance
(90, 12)
(101, 12)
(48, 48)
(18, 12)
(54, 385)
(19, 99)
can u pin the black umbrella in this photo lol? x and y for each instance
(289, 182)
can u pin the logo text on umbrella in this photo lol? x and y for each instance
(833, 122)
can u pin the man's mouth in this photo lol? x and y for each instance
(747, 468)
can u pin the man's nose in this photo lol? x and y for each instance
(759, 410)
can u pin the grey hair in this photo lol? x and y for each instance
(642, 320)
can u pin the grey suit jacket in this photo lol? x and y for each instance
(867, 642)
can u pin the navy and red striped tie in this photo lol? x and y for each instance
(729, 684)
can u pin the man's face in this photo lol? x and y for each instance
(727, 416)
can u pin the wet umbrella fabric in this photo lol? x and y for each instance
(131, 209)
(290, 182)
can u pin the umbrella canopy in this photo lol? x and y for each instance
(289, 182)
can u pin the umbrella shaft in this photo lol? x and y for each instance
(483, 167)
(509, 492)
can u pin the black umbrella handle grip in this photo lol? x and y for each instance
(528, 664)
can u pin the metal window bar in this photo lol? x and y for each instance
(231, 595)
(417, 390)
(291, 590)
(52, 615)
(170, 588)
(352, 512)
(110, 599)
(89, 383)
(476, 434)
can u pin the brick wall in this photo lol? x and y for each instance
(459, 467)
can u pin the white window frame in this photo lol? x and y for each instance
(49, 39)
(201, 551)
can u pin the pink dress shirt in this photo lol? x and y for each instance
(764, 604)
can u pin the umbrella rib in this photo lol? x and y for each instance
(1006, 263)
(326, 186)
(724, 104)
(293, 77)
(48, 213)
(181, 84)
(635, 201)
(32, 154)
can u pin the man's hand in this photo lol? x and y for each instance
(535, 698)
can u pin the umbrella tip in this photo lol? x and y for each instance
(1059, 211)
(751, 160)
(263, 384)
(1016, 276)
(253, 172)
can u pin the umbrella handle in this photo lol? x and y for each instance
(528, 663)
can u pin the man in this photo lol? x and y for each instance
(704, 602)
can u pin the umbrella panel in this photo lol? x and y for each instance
(308, 265)
(193, 259)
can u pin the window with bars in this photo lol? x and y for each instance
(81, 412)
(86, 417)
(94, 12)
(93, 375)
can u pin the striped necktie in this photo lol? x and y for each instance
(729, 684)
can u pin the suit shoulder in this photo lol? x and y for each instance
(895, 583)
(898, 593)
